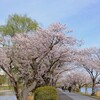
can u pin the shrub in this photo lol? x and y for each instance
(46, 93)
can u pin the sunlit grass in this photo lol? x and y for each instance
(96, 97)
(30, 97)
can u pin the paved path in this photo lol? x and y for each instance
(63, 96)
(72, 96)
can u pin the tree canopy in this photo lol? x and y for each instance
(34, 59)
(18, 24)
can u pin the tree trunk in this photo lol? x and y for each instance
(86, 89)
(26, 90)
(17, 93)
(79, 88)
(24, 94)
(93, 87)
(54, 82)
(16, 88)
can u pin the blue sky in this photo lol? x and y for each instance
(83, 16)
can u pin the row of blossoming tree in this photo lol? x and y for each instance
(39, 58)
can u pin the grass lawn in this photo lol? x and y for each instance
(95, 97)
(30, 97)
(6, 88)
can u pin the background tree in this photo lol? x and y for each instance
(18, 24)
(2, 79)
(90, 61)
(78, 79)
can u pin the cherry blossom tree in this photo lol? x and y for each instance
(33, 58)
(90, 60)
(61, 72)
(77, 79)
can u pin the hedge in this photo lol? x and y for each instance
(46, 93)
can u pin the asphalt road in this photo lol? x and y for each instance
(63, 96)
(72, 96)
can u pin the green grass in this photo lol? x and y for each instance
(95, 97)
(6, 88)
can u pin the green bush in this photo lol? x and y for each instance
(46, 93)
